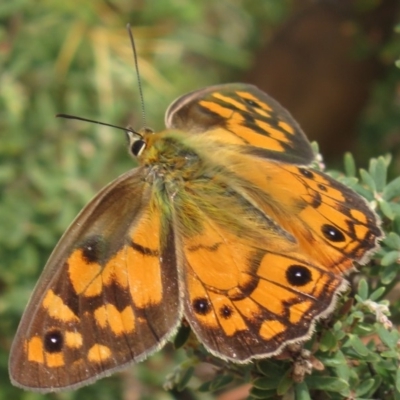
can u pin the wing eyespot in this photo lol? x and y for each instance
(225, 312)
(252, 103)
(93, 249)
(201, 306)
(332, 234)
(307, 173)
(53, 341)
(298, 275)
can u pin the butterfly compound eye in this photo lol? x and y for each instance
(137, 147)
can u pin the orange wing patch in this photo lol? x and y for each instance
(244, 301)
(57, 309)
(314, 208)
(145, 251)
(118, 322)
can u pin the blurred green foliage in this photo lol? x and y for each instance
(75, 57)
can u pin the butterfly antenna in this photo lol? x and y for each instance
(135, 57)
(67, 116)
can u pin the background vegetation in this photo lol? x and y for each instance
(75, 57)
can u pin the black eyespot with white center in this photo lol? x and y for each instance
(298, 275)
(201, 306)
(332, 233)
(53, 341)
(225, 311)
(252, 103)
(93, 249)
(307, 173)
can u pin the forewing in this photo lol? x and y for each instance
(241, 114)
(108, 295)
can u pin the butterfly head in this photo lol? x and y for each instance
(137, 140)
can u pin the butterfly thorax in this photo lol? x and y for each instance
(190, 183)
(170, 158)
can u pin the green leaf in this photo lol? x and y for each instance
(265, 383)
(262, 394)
(205, 387)
(378, 170)
(357, 345)
(184, 379)
(349, 165)
(270, 369)
(364, 387)
(367, 179)
(330, 384)
(398, 380)
(392, 240)
(392, 189)
(390, 338)
(285, 383)
(386, 209)
(301, 391)
(328, 341)
(363, 289)
(390, 258)
(377, 294)
(389, 273)
(220, 381)
(182, 336)
(390, 354)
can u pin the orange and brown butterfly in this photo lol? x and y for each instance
(223, 224)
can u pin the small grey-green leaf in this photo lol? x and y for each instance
(328, 341)
(364, 387)
(270, 369)
(392, 189)
(184, 379)
(379, 173)
(398, 380)
(262, 394)
(330, 384)
(182, 336)
(265, 383)
(205, 387)
(390, 354)
(386, 209)
(389, 273)
(363, 289)
(390, 258)
(349, 165)
(301, 391)
(220, 381)
(367, 179)
(390, 338)
(285, 383)
(357, 345)
(377, 294)
(392, 240)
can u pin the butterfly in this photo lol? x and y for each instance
(224, 223)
